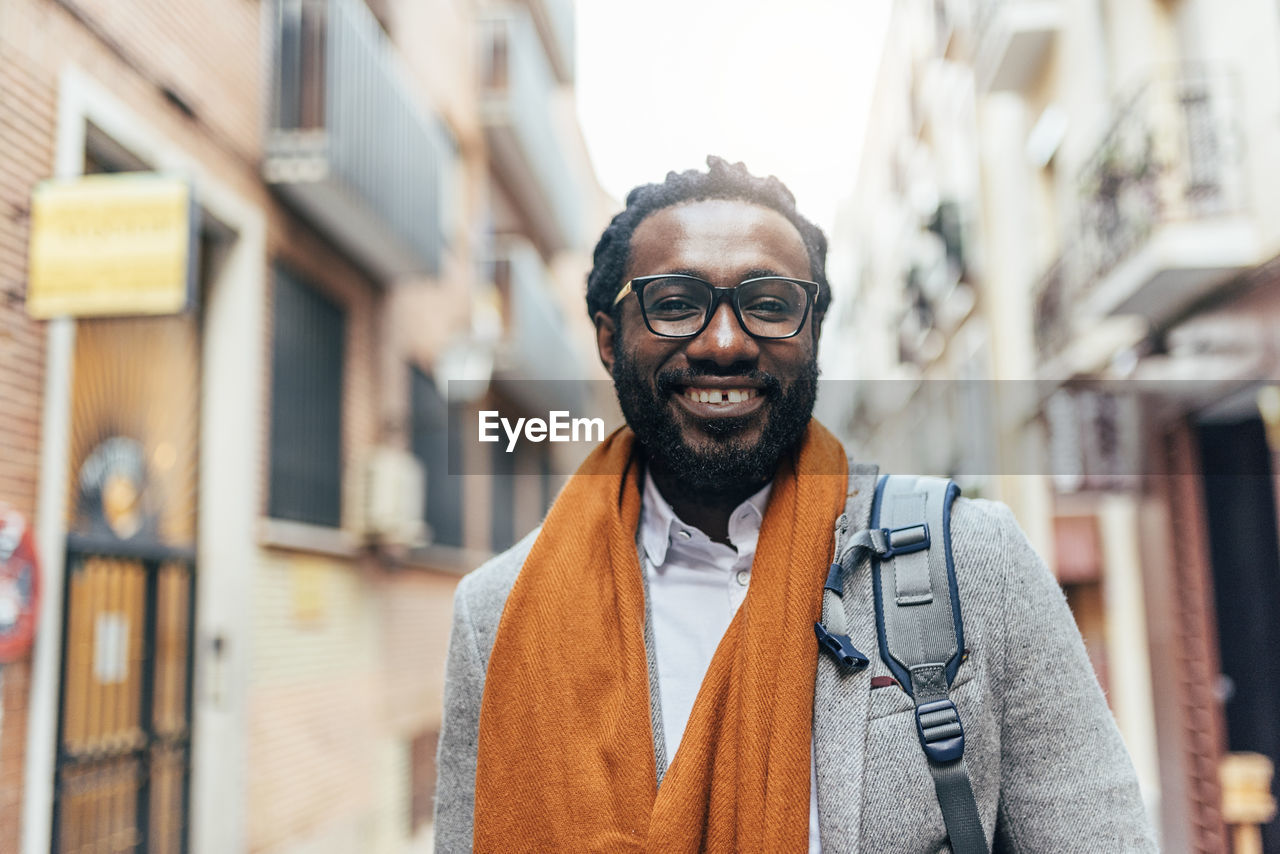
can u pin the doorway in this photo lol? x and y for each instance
(1240, 506)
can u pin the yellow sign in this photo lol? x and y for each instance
(119, 244)
(310, 589)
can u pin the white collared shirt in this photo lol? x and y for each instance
(695, 587)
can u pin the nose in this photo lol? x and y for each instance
(724, 342)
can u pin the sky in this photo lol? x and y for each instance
(783, 86)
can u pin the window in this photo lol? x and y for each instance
(306, 404)
(435, 441)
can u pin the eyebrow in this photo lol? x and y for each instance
(754, 273)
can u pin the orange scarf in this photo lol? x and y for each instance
(566, 757)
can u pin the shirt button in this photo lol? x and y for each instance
(743, 576)
(685, 534)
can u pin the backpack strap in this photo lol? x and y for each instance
(921, 633)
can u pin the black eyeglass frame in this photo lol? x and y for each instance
(637, 286)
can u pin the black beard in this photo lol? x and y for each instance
(730, 465)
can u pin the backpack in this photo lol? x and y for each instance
(918, 623)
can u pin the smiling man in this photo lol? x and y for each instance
(717, 382)
(641, 673)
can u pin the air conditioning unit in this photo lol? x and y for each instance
(392, 490)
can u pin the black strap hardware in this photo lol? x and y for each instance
(941, 735)
(840, 647)
(905, 540)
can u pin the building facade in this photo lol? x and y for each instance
(250, 511)
(1123, 318)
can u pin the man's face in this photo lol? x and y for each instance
(713, 447)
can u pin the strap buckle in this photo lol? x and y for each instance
(840, 647)
(905, 540)
(941, 735)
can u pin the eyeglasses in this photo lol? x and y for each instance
(674, 305)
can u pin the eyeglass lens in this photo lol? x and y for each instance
(770, 308)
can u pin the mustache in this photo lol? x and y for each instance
(670, 380)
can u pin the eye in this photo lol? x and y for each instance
(672, 305)
(772, 300)
(767, 305)
(770, 307)
(674, 298)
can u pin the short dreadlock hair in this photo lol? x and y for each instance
(722, 180)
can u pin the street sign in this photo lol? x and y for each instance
(19, 585)
(112, 245)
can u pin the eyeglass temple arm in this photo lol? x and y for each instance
(626, 289)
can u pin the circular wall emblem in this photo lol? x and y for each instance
(113, 482)
(19, 585)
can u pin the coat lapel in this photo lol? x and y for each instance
(841, 699)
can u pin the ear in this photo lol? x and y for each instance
(818, 317)
(605, 331)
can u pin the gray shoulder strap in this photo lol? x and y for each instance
(922, 635)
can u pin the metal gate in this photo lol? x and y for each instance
(124, 722)
(122, 779)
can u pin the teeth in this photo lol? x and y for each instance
(716, 395)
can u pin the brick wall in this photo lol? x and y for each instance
(333, 707)
(13, 739)
(27, 114)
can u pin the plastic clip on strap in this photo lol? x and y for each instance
(833, 637)
(938, 725)
(840, 647)
(905, 540)
(942, 737)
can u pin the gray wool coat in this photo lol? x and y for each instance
(1049, 770)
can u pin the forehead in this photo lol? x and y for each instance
(719, 239)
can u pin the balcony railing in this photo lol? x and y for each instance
(1169, 154)
(1162, 200)
(535, 344)
(347, 143)
(1095, 439)
(1012, 39)
(1051, 314)
(516, 106)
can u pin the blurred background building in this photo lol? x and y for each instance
(1060, 264)
(241, 492)
(334, 230)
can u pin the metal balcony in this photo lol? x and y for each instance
(1013, 38)
(1069, 340)
(517, 86)
(347, 144)
(1051, 313)
(534, 364)
(1163, 211)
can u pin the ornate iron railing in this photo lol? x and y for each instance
(1172, 152)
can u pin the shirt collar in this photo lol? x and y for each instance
(659, 524)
